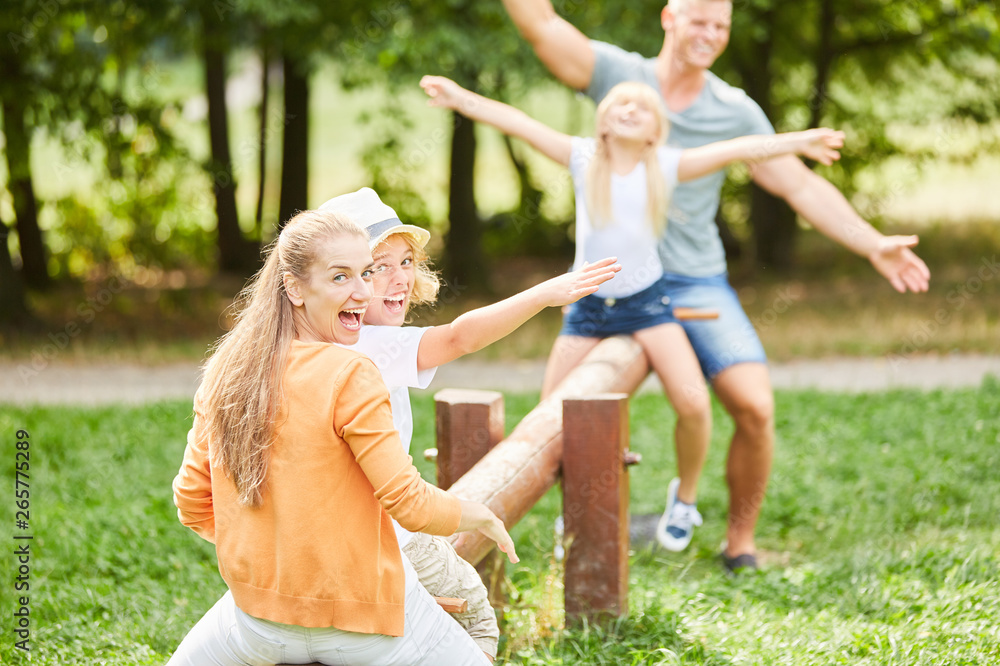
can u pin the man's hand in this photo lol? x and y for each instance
(894, 259)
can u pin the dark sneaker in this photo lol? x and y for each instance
(739, 564)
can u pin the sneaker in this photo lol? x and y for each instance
(676, 526)
(559, 552)
(740, 564)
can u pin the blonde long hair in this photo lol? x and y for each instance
(598, 177)
(241, 389)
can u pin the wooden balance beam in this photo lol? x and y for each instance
(516, 473)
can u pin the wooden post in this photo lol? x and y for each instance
(469, 423)
(520, 470)
(595, 506)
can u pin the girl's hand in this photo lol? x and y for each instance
(572, 286)
(821, 144)
(477, 516)
(442, 91)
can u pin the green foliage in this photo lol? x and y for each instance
(881, 71)
(470, 42)
(877, 539)
(909, 82)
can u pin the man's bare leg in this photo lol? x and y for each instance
(745, 391)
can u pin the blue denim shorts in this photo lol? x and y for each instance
(719, 343)
(596, 317)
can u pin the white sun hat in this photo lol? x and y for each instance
(365, 208)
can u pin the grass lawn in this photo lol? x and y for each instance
(878, 536)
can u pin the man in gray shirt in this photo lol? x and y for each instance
(702, 109)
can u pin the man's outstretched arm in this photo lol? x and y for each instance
(558, 44)
(826, 209)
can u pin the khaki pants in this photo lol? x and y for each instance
(444, 574)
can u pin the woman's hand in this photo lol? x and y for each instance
(821, 144)
(476, 516)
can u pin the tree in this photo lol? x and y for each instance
(844, 63)
(296, 31)
(13, 308)
(295, 146)
(24, 45)
(236, 254)
(470, 42)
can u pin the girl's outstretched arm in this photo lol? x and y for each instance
(446, 93)
(481, 327)
(818, 144)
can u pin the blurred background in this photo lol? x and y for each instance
(150, 150)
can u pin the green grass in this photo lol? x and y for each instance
(878, 537)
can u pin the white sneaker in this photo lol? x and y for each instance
(559, 552)
(676, 526)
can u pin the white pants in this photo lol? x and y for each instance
(226, 636)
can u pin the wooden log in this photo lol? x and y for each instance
(595, 506)
(513, 476)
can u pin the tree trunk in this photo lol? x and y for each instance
(463, 247)
(295, 147)
(13, 308)
(775, 230)
(265, 64)
(233, 249)
(34, 261)
(825, 56)
(772, 221)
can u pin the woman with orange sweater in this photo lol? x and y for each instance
(293, 469)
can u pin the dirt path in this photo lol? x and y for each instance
(98, 384)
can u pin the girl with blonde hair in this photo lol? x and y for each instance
(623, 178)
(293, 469)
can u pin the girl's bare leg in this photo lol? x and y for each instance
(566, 354)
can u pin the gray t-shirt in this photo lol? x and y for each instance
(691, 243)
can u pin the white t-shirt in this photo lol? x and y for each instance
(691, 243)
(629, 236)
(393, 349)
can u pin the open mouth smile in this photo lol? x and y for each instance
(351, 319)
(394, 304)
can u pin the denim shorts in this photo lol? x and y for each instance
(596, 317)
(719, 343)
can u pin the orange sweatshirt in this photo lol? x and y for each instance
(320, 551)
